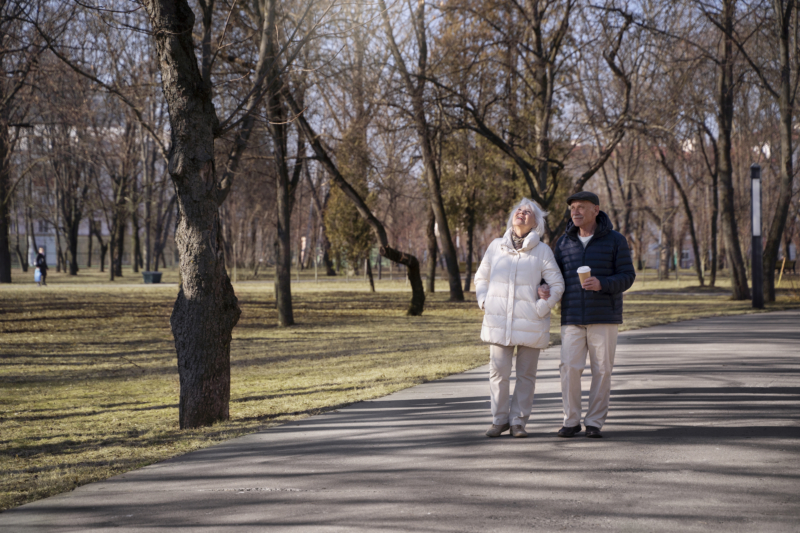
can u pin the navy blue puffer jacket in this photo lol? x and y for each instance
(609, 257)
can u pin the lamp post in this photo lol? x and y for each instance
(755, 219)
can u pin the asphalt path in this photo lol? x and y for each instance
(703, 435)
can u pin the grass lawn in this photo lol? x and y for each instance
(89, 384)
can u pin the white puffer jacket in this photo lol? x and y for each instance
(506, 285)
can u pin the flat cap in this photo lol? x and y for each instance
(584, 195)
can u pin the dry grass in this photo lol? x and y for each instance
(88, 381)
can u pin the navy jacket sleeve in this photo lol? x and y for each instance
(557, 254)
(624, 273)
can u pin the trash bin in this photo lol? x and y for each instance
(151, 277)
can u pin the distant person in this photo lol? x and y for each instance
(41, 264)
(591, 311)
(505, 284)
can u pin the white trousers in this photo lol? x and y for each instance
(516, 409)
(600, 341)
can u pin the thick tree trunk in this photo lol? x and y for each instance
(71, 227)
(725, 90)
(283, 257)
(430, 233)
(206, 309)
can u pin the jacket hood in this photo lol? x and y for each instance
(604, 226)
(531, 241)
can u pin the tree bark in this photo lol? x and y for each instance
(206, 309)
(430, 233)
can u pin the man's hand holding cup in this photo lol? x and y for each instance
(588, 282)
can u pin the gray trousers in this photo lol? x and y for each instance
(517, 408)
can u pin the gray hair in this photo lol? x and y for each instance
(538, 214)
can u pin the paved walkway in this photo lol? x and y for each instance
(704, 434)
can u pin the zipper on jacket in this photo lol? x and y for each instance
(583, 291)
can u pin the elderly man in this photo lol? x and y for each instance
(591, 311)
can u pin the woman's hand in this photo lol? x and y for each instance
(544, 291)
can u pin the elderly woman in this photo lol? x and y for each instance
(506, 286)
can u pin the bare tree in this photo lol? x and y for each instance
(415, 84)
(19, 53)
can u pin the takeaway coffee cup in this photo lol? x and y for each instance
(583, 273)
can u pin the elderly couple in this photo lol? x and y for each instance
(521, 279)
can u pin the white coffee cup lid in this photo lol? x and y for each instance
(583, 270)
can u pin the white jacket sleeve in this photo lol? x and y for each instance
(482, 275)
(552, 276)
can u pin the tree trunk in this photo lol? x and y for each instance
(5, 202)
(714, 221)
(29, 229)
(136, 244)
(163, 224)
(368, 266)
(60, 263)
(23, 259)
(470, 243)
(687, 209)
(89, 246)
(206, 309)
(71, 227)
(663, 251)
(430, 232)
(283, 257)
(785, 16)
(725, 96)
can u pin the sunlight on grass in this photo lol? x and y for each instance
(89, 384)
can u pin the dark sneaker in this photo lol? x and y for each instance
(593, 432)
(496, 430)
(518, 431)
(569, 432)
